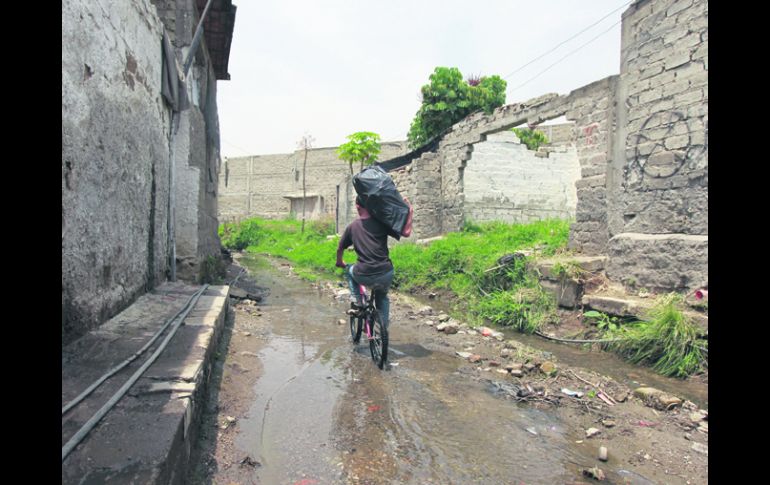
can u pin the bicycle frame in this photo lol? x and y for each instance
(367, 313)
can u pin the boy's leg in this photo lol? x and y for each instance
(381, 299)
(355, 296)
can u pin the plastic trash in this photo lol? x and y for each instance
(571, 393)
(382, 199)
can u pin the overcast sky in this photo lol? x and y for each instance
(330, 68)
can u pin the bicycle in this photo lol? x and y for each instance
(377, 334)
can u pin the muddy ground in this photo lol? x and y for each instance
(255, 391)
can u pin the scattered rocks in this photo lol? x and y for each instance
(340, 322)
(657, 399)
(510, 344)
(464, 355)
(505, 353)
(548, 367)
(529, 367)
(699, 416)
(591, 432)
(494, 363)
(608, 423)
(429, 323)
(443, 317)
(426, 310)
(516, 373)
(596, 473)
(485, 331)
(502, 371)
(700, 448)
(448, 327)
(474, 358)
(513, 366)
(603, 453)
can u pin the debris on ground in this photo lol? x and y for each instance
(596, 473)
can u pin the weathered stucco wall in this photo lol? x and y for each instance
(260, 185)
(505, 181)
(115, 160)
(197, 157)
(116, 163)
(659, 186)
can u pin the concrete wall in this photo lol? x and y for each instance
(658, 209)
(116, 158)
(115, 162)
(505, 181)
(260, 185)
(197, 158)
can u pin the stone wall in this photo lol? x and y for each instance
(115, 160)
(659, 184)
(116, 157)
(262, 185)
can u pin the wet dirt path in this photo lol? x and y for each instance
(294, 402)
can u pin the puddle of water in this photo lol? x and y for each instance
(323, 411)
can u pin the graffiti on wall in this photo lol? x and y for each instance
(654, 159)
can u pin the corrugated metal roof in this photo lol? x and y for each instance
(218, 32)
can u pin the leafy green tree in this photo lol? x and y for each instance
(363, 147)
(448, 98)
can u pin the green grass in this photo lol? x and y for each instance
(507, 296)
(666, 339)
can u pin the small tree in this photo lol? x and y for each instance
(304, 144)
(531, 137)
(363, 147)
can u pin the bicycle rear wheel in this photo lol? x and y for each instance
(378, 345)
(356, 324)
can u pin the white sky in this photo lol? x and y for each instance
(330, 68)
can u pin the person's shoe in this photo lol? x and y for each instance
(355, 310)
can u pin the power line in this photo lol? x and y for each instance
(564, 42)
(566, 56)
(235, 146)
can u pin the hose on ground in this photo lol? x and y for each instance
(91, 423)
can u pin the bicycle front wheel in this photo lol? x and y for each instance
(378, 345)
(356, 324)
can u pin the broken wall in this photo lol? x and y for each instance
(506, 181)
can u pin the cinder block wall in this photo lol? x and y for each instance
(505, 181)
(258, 185)
(659, 189)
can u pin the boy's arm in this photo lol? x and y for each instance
(408, 226)
(345, 241)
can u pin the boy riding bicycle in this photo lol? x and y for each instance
(374, 268)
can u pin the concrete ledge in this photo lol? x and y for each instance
(635, 307)
(148, 435)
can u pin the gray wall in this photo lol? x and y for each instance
(259, 185)
(505, 181)
(115, 162)
(116, 158)
(658, 207)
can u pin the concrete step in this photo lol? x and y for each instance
(148, 435)
(567, 288)
(630, 306)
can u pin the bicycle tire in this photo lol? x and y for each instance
(356, 324)
(378, 345)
